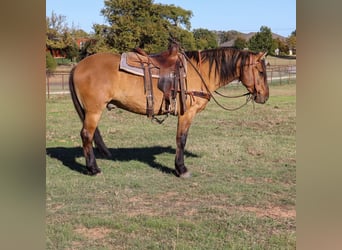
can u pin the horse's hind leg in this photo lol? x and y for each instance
(87, 135)
(100, 145)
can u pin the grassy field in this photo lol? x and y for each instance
(278, 61)
(241, 195)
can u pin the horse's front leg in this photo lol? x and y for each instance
(183, 126)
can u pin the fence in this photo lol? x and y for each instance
(58, 82)
(281, 74)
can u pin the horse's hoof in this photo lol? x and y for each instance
(94, 172)
(185, 175)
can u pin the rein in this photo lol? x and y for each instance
(248, 95)
(229, 96)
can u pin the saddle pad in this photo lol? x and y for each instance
(137, 70)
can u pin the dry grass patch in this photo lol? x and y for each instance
(95, 233)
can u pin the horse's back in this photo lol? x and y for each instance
(98, 64)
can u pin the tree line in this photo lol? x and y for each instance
(148, 25)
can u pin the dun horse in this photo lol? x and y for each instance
(98, 82)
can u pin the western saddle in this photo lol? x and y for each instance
(169, 66)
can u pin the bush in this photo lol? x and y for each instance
(51, 64)
(63, 61)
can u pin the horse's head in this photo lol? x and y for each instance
(253, 76)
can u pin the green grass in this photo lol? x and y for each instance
(241, 195)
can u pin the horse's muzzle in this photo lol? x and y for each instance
(258, 98)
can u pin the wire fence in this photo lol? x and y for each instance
(281, 74)
(57, 83)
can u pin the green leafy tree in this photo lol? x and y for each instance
(262, 41)
(205, 39)
(59, 37)
(55, 28)
(228, 35)
(78, 33)
(240, 43)
(281, 45)
(99, 42)
(70, 47)
(141, 23)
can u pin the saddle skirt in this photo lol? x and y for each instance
(130, 62)
(133, 62)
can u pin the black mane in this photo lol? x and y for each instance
(225, 60)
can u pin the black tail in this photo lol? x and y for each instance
(77, 104)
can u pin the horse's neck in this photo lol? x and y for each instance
(213, 80)
(212, 76)
(221, 84)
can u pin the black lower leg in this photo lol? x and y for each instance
(100, 145)
(179, 160)
(89, 153)
(91, 163)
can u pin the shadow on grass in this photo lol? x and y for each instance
(145, 155)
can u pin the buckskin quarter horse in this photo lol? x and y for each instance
(97, 82)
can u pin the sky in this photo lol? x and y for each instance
(221, 15)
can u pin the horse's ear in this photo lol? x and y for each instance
(262, 55)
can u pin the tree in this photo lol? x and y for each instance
(141, 23)
(59, 37)
(281, 45)
(176, 16)
(262, 41)
(99, 42)
(240, 43)
(228, 35)
(70, 47)
(205, 39)
(291, 41)
(55, 27)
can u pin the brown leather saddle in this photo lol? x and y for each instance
(169, 66)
